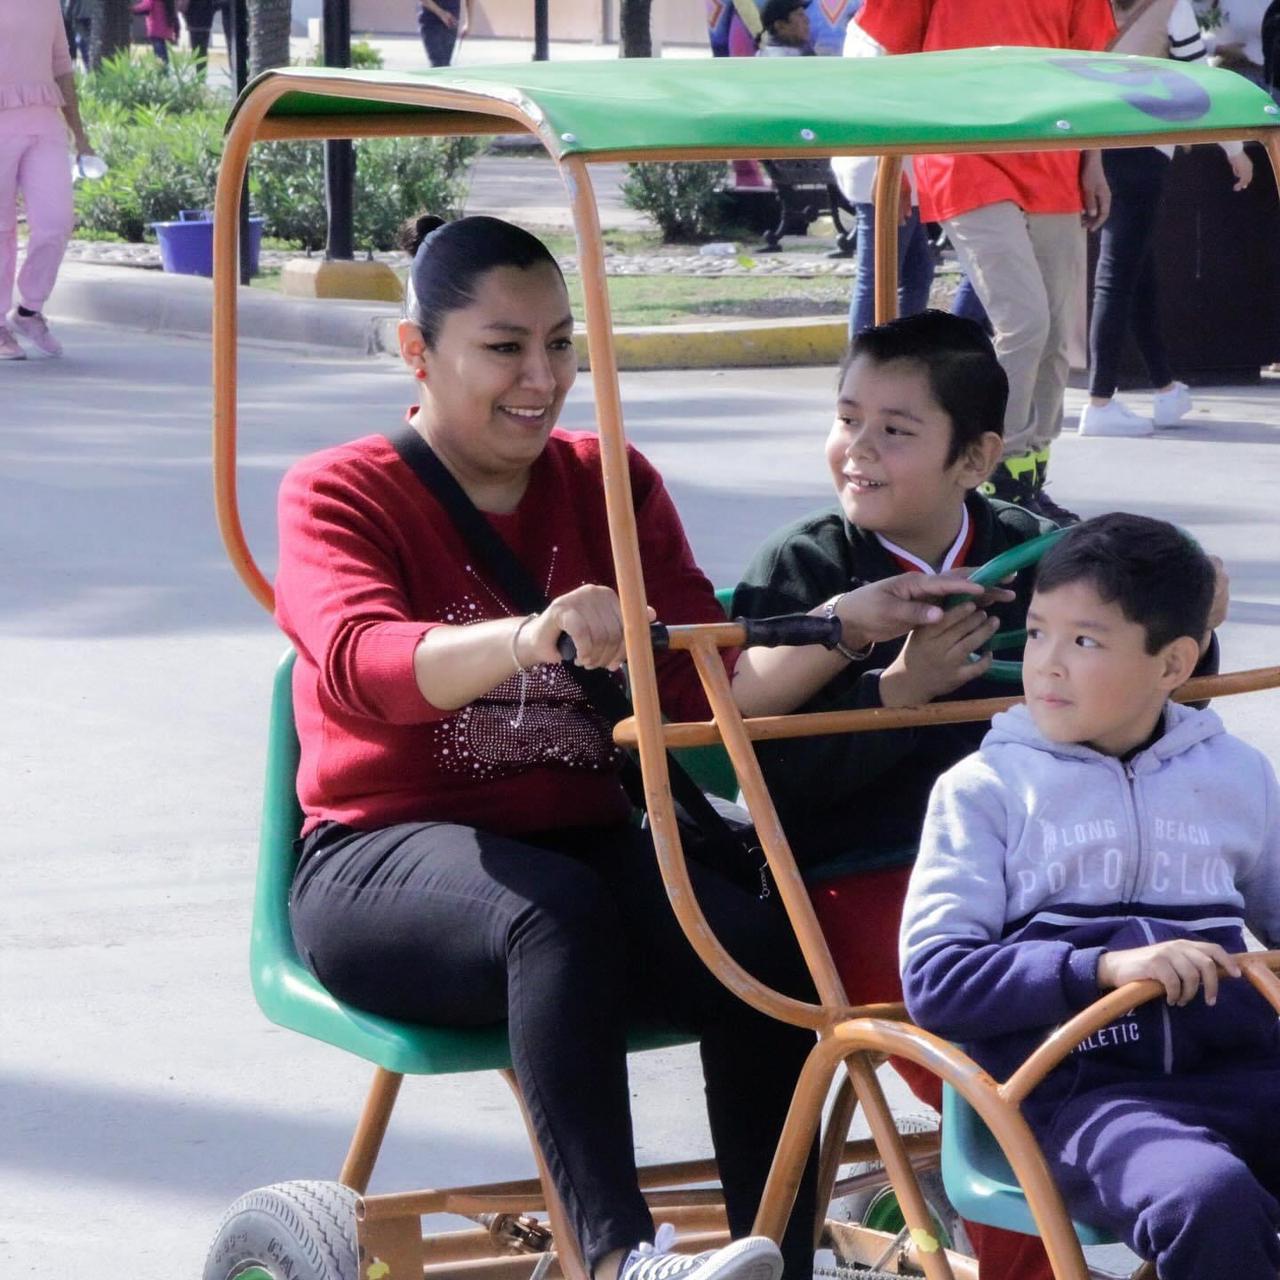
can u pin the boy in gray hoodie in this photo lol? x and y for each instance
(1100, 835)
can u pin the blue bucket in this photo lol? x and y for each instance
(186, 246)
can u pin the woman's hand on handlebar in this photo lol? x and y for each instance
(590, 616)
(893, 606)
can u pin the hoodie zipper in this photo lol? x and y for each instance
(1133, 812)
(1164, 1008)
(1129, 888)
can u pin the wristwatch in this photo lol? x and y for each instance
(849, 655)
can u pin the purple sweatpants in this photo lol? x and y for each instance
(1184, 1169)
(38, 166)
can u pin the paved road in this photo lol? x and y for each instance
(140, 1090)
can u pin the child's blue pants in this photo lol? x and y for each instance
(1184, 1168)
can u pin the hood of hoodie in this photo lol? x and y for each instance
(1183, 727)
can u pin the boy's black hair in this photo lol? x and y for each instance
(964, 375)
(1157, 576)
(778, 11)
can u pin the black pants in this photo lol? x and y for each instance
(568, 937)
(437, 39)
(200, 15)
(1124, 285)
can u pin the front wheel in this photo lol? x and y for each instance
(289, 1231)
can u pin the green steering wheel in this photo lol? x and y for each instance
(991, 574)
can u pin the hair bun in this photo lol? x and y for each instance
(416, 230)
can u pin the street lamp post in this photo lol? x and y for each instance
(541, 34)
(238, 55)
(339, 155)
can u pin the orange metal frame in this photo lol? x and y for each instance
(851, 1040)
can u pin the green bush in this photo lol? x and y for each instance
(160, 133)
(133, 79)
(364, 57)
(685, 200)
(396, 178)
(158, 163)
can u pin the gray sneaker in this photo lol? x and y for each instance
(751, 1258)
(9, 348)
(36, 331)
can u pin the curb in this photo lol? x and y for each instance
(129, 298)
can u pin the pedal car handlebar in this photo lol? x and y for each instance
(786, 630)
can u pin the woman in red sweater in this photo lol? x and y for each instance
(467, 855)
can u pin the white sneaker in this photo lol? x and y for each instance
(751, 1258)
(1113, 419)
(36, 331)
(9, 349)
(1169, 407)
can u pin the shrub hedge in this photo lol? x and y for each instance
(160, 132)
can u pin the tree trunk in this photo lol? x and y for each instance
(109, 30)
(268, 34)
(637, 41)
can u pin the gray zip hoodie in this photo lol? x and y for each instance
(1037, 856)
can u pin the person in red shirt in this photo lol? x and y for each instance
(468, 854)
(1014, 219)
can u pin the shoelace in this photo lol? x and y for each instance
(647, 1259)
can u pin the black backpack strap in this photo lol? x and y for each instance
(601, 690)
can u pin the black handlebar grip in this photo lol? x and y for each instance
(568, 651)
(792, 629)
(787, 630)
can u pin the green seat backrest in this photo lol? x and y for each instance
(978, 1179)
(285, 988)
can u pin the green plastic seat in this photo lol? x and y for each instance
(285, 988)
(978, 1179)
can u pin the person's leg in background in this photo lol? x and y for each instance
(438, 40)
(11, 149)
(917, 264)
(1059, 243)
(1121, 282)
(160, 47)
(995, 249)
(1172, 399)
(199, 20)
(44, 178)
(915, 268)
(862, 305)
(968, 305)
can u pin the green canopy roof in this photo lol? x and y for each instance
(822, 106)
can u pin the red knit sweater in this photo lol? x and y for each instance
(369, 562)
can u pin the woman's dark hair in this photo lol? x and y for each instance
(957, 357)
(1157, 575)
(449, 258)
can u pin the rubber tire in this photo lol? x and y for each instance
(290, 1231)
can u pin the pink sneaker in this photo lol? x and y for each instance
(9, 349)
(36, 331)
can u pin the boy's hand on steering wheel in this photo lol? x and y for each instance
(893, 606)
(590, 616)
(1181, 965)
(937, 657)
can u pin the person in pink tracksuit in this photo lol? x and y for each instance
(37, 107)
